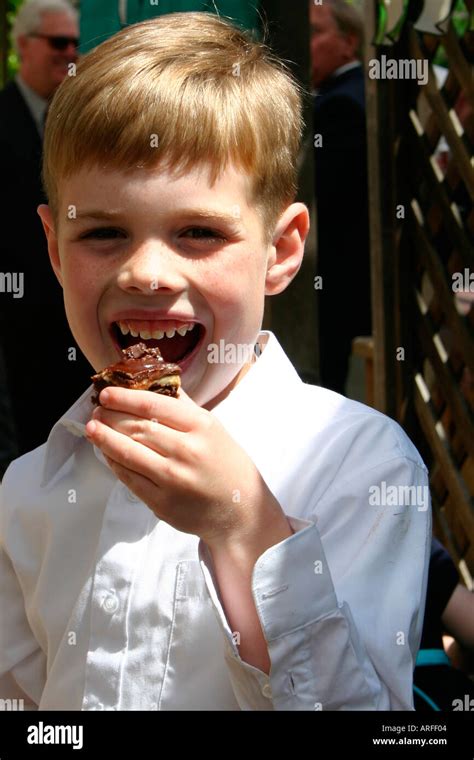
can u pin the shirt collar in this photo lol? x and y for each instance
(346, 67)
(264, 385)
(35, 103)
(66, 434)
(260, 392)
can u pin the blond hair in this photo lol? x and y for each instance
(207, 92)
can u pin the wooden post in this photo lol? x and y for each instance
(382, 205)
(292, 315)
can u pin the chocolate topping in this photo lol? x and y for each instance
(140, 368)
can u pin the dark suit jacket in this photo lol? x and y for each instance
(343, 229)
(23, 240)
(33, 329)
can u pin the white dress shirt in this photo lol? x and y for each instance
(104, 606)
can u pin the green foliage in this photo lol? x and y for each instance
(460, 19)
(12, 58)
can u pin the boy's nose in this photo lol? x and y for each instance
(152, 268)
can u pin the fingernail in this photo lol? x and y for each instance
(90, 428)
(104, 397)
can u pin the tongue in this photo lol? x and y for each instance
(172, 349)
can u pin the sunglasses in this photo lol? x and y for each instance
(58, 43)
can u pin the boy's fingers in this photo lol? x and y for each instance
(175, 413)
(160, 438)
(129, 454)
(141, 486)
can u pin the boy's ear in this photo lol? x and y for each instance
(287, 248)
(46, 217)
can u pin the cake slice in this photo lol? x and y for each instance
(142, 369)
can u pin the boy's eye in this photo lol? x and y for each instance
(102, 233)
(111, 233)
(203, 233)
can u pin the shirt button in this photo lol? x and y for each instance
(110, 603)
(267, 691)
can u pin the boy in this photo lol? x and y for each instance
(222, 550)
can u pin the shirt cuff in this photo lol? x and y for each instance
(291, 582)
(292, 587)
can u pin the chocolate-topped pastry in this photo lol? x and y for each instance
(142, 369)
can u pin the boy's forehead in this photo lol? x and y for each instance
(230, 192)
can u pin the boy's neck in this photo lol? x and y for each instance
(225, 392)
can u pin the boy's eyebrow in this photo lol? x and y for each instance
(213, 215)
(97, 214)
(210, 215)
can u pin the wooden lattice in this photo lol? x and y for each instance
(423, 248)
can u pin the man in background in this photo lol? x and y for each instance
(340, 155)
(34, 336)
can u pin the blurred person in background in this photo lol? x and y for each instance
(441, 680)
(341, 186)
(34, 335)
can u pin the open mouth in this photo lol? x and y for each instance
(176, 340)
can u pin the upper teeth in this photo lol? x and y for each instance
(155, 334)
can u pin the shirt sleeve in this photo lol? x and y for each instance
(341, 606)
(22, 663)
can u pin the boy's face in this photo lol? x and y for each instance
(140, 253)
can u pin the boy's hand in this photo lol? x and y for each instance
(183, 464)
